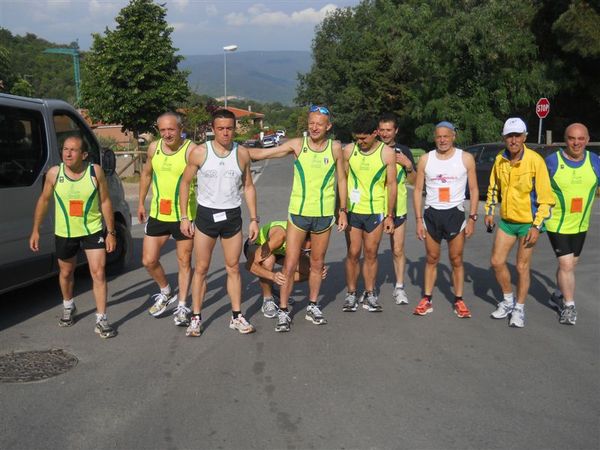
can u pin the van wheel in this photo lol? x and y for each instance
(121, 256)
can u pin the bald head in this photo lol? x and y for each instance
(577, 137)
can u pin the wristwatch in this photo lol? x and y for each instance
(112, 232)
(473, 217)
(255, 219)
(344, 210)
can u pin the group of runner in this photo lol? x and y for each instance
(197, 194)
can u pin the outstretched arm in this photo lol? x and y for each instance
(287, 148)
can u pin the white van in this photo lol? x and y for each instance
(32, 132)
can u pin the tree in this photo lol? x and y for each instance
(131, 73)
(467, 61)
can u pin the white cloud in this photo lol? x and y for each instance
(259, 14)
(181, 5)
(211, 10)
(99, 8)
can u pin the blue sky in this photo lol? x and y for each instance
(201, 27)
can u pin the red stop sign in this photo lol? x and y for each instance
(542, 107)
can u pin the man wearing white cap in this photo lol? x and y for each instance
(520, 178)
(444, 172)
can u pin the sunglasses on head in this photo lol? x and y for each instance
(321, 109)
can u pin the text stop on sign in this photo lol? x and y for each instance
(542, 108)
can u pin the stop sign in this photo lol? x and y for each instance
(542, 107)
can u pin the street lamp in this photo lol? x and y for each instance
(227, 48)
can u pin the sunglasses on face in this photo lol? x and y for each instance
(321, 109)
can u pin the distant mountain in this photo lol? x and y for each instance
(261, 76)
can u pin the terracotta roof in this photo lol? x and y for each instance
(240, 113)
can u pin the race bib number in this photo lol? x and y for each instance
(76, 208)
(576, 205)
(444, 194)
(219, 217)
(355, 196)
(165, 206)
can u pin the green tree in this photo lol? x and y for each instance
(131, 73)
(468, 61)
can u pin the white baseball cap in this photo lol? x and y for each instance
(514, 125)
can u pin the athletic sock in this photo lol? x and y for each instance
(199, 316)
(68, 304)
(569, 303)
(457, 298)
(266, 299)
(509, 298)
(400, 286)
(166, 290)
(312, 302)
(236, 314)
(284, 309)
(100, 317)
(519, 306)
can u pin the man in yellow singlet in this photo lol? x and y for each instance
(166, 161)
(371, 169)
(81, 202)
(319, 162)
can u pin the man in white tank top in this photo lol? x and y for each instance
(222, 170)
(445, 172)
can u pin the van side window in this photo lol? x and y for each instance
(67, 125)
(23, 150)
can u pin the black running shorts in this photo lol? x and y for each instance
(66, 248)
(156, 228)
(365, 222)
(565, 244)
(444, 223)
(224, 223)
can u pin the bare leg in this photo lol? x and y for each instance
(151, 258)
(66, 277)
(565, 276)
(455, 254)
(232, 249)
(523, 263)
(397, 244)
(369, 268)
(97, 263)
(354, 241)
(203, 248)
(184, 260)
(502, 246)
(319, 243)
(294, 239)
(432, 248)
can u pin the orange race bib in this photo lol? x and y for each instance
(576, 205)
(444, 194)
(76, 208)
(165, 207)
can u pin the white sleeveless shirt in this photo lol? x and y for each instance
(219, 180)
(445, 181)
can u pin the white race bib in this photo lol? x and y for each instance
(355, 196)
(220, 217)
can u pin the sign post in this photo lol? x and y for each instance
(542, 109)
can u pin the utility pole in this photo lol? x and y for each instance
(74, 52)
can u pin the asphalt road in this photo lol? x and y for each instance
(376, 381)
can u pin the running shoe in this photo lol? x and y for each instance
(517, 318)
(195, 328)
(400, 297)
(461, 310)
(424, 307)
(283, 321)
(241, 324)
(181, 315)
(161, 302)
(568, 315)
(314, 314)
(269, 308)
(68, 317)
(104, 329)
(371, 302)
(503, 310)
(350, 302)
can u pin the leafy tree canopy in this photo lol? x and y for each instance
(131, 73)
(473, 62)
